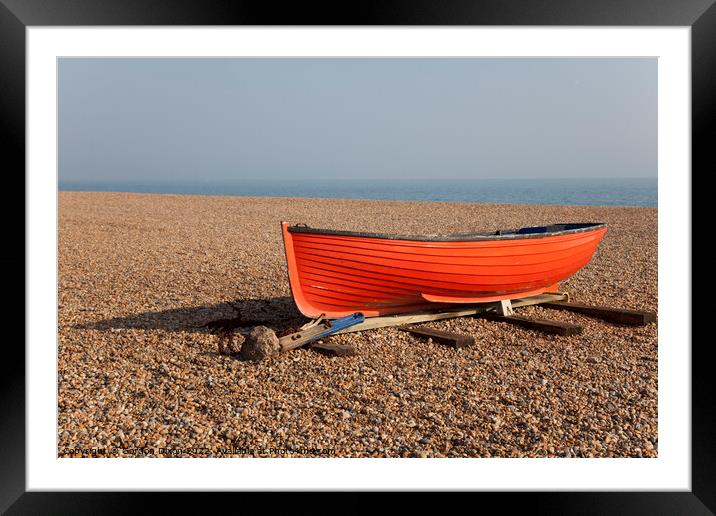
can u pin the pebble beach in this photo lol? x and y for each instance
(144, 278)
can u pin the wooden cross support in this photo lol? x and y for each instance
(605, 313)
(455, 340)
(543, 325)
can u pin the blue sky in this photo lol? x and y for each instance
(180, 120)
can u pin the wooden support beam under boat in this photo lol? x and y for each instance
(504, 307)
(605, 313)
(543, 325)
(372, 323)
(455, 340)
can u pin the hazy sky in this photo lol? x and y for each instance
(230, 119)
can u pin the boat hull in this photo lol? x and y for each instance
(334, 274)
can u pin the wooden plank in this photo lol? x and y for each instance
(504, 308)
(373, 323)
(609, 314)
(333, 349)
(455, 340)
(543, 325)
(539, 299)
(317, 329)
(298, 339)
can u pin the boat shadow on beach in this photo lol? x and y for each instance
(278, 313)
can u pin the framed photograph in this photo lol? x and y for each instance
(423, 249)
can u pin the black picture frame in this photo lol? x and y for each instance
(17, 15)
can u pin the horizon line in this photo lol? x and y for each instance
(336, 179)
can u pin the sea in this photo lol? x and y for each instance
(641, 192)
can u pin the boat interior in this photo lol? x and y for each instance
(552, 228)
(526, 232)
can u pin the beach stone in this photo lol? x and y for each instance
(260, 343)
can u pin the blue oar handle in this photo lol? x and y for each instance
(337, 325)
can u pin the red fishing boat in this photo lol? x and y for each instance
(337, 273)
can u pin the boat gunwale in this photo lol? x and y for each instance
(510, 234)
